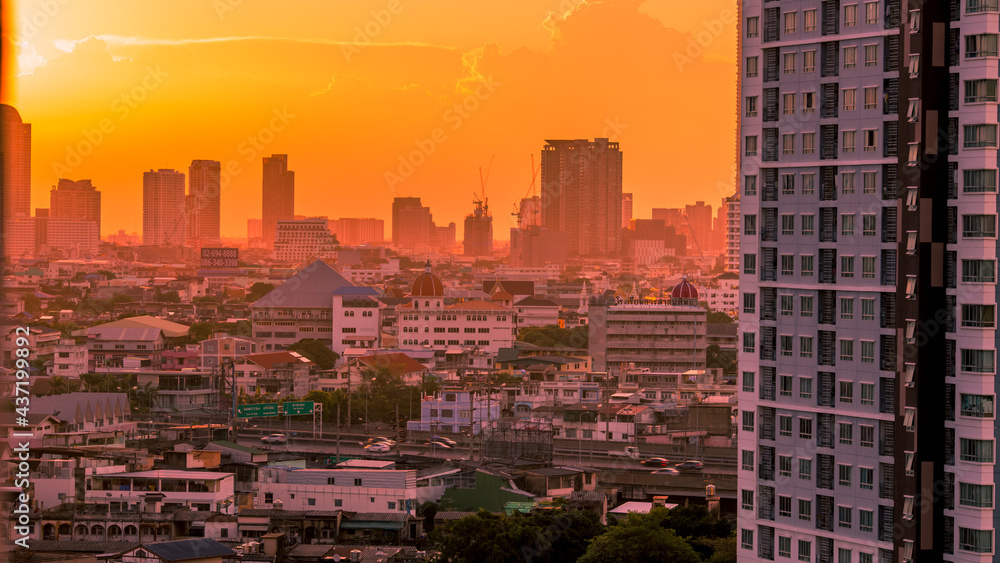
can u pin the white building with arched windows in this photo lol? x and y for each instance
(428, 323)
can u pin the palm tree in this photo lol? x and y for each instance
(59, 386)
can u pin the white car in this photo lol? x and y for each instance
(377, 448)
(274, 439)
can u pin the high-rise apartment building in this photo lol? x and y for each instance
(78, 200)
(478, 234)
(15, 164)
(278, 195)
(626, 211)
(303, 239)
(411, 223)
(582, 194)
(204, 201)
(698, 223)
(163, 208)
(868, 353)
(353, 231)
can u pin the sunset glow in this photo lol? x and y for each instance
(373, 99)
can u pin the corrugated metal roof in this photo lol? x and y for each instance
(170, 329)
(79, 546)
(195, 548)
(124, 333)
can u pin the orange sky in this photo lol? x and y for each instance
(235, 80)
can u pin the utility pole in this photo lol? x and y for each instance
(338, 432)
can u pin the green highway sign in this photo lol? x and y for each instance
(299, 407)
(260, 409)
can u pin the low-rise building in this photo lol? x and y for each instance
(455, 410)
(109, 346)
(354, 489)
(154, 491)
(535, 311)
(69, 359)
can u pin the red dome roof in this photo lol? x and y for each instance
(427, 284)
(684, 290)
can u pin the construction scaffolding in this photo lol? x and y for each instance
(518, 439)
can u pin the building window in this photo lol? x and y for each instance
(806, 346)
(751, 106)
(976, 541)
(809, 20)
(753, 27)
(850, 98)
(805, 428)
(746, 539)
(871, 55)
(844, 521)
(787, 302)
(805, 550)
(806, 305)
(788, 223)
(748, 420)
(785, 466)
(871, 13)
(847, 266)
(790, 22)
(749, 263)
(746, 499)
(850, 15)
(976, 451)
(808, 225)
(981, 45)
(850, 57)
(980, 91)
(805, 387)
(809, 61)
(808, 102)
(871, 97)
(980, 136)
(784, 425)
(846, 388)
(747, 456)
(978, 316)
(807, 266)
(805, 469)
(805, 509)
(785, 506)
(977, 361)
(788, 63)
(788, 103)
(976, 496)
(846, 433)
(979, 181)
(808, 147)
(848, 141)
(871, 140)
(867, 436)
(977, 406)
(866, 478)
(751, 67)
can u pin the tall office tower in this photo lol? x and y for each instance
(15, 164)
(733, 233)
(203, 201)
(626, 211)
(582, 194)
(163, 208)
(869, 236)
(698, 220)
(79, 200)
(411, 223)
(279, 194)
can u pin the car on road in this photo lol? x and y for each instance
(690, 466)
(381, 440)
(379, 448)
(656, 462)
(435, 444)
(666, 471)
(274, 439)
(444, 440)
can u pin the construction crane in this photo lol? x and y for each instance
(518, 212)
(482, 202)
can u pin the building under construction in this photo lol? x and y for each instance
(518, 439)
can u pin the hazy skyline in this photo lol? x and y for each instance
(350, 92)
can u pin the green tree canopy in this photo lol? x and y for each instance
(719, 317)
(640, 538)
(259, 290)
(553, 336)
(316, 351)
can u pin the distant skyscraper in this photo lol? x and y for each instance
(529, 213)
(411, 223)
(254, 229)
(626, 210)
(478, 234)
(15, 164)
(279, 194)
(582, 194)
(78, 199)
(698, 220)
(352, 231)
(203, 201)
(303, 239)
(163, 208)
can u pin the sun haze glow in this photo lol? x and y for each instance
(373, 99)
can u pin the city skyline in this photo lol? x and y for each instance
(291, 119)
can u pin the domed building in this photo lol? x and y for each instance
(684, 293)
(426, 322)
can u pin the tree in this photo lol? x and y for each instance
(546, 537)
(719, 318)
(553, 336)
(167, 296)
(259, 290)
(716, 357)
(201, 331)
(317, 352)
(32, 303)
(639, 538)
